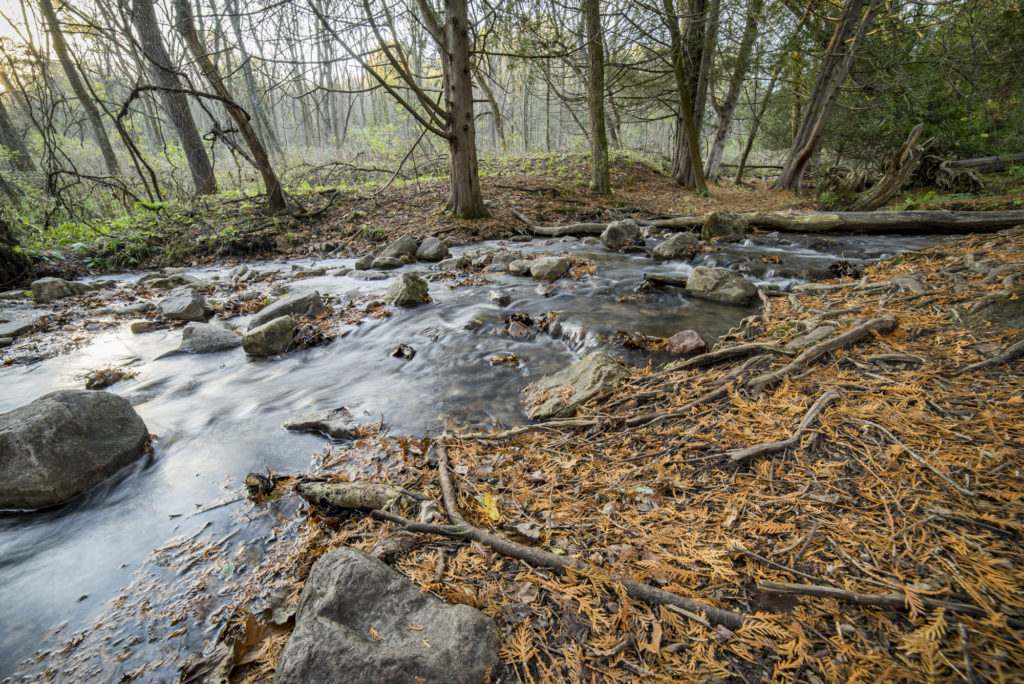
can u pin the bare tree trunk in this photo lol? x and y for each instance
(465, 199)
(600, 181)
(175, 102)
(75, 80)
(187, 29)
(11, 139)
(698, 45)
(685, 126)
(903, 164)
(262, 123)
(732, 96)
(850, 29)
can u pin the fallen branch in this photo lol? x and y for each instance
(1011, 353)
(898, 601)
(812, 354)
(765, 448)
(729, 353)
(920, 459)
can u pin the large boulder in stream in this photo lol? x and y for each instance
(724, 224)
(403, 246)
(719, 285)
(620, 234)
(360, 621)
(308, 304)
(64, 443)
(432, 249)
(549, 269)
(271, 338)
(184, 304)
(679, 245)
(46, 290)
(203, 338)
(561, 394)
(407, 290)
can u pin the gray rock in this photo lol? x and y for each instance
(432, 249)
(368, 275)
(503, 258)
(495, 268)
(141, 325)
(364, 262)
(719, 285)
(270, 338)
(621, 233)
(549, 269)
(521, 238)
(687, 342)
(679, 245)
(6, 342)
(591, 240)
(383, 263)
(308, 304)
(64, 443)
(1003, 310)
(339, 272)
(520, 267)
(201, 338)
(460, 262)
(14, 294)
(360, 621)
(19, 324)
(561, 394)
(46, 290)
(407, 290)
(160, 282)
(724, 224)
(132, 309)
(498, 297)
(184, 304)
(335, 423)
(403, 246)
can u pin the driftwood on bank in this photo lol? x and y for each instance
(463, 529)
(1000, 162)
(903, 164)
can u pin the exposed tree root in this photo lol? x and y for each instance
(766, 448)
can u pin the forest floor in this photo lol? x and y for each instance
(548, 190)
(896, 505)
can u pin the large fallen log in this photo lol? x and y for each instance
(865, 222)
(999, 162)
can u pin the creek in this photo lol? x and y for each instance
(218, 416)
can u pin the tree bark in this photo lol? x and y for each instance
(599, 177)
(850, 29)
(686, 141)
(11, 139)
(732, 96)
(902, 166)
(75, 81)
(465, 199)
(989, 164)
(186, 27)
(262, 123)
(175, 102)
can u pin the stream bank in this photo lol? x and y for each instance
(218, 416)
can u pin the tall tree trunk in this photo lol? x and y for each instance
(853, 23)
(465, 199)
(732, 96)
(175, 102)
(11, 139)
(262, 122)
(595, 98)
(685, 126)
(186, 27)
(60, 46)
(698, 46)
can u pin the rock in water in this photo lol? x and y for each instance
(335, 423)
(403, 246)
(432, 249)
(364, 262)
(621, 233)
(308, 304)
(549, 269)
(270, 338)
(201, 338)
(407, 290)
(687, 342)
(141, 325)
(520, 267)
(679, 245)
(719, 285)
(46, 290)
(184, 304)
(360, 621)
(387, 263)
(559, 395)
(64, 443)
(724, 224)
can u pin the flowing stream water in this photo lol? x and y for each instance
(218, 416)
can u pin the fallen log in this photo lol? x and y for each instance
(864, 222)
(999, 162)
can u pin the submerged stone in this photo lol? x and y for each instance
(561, 394)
